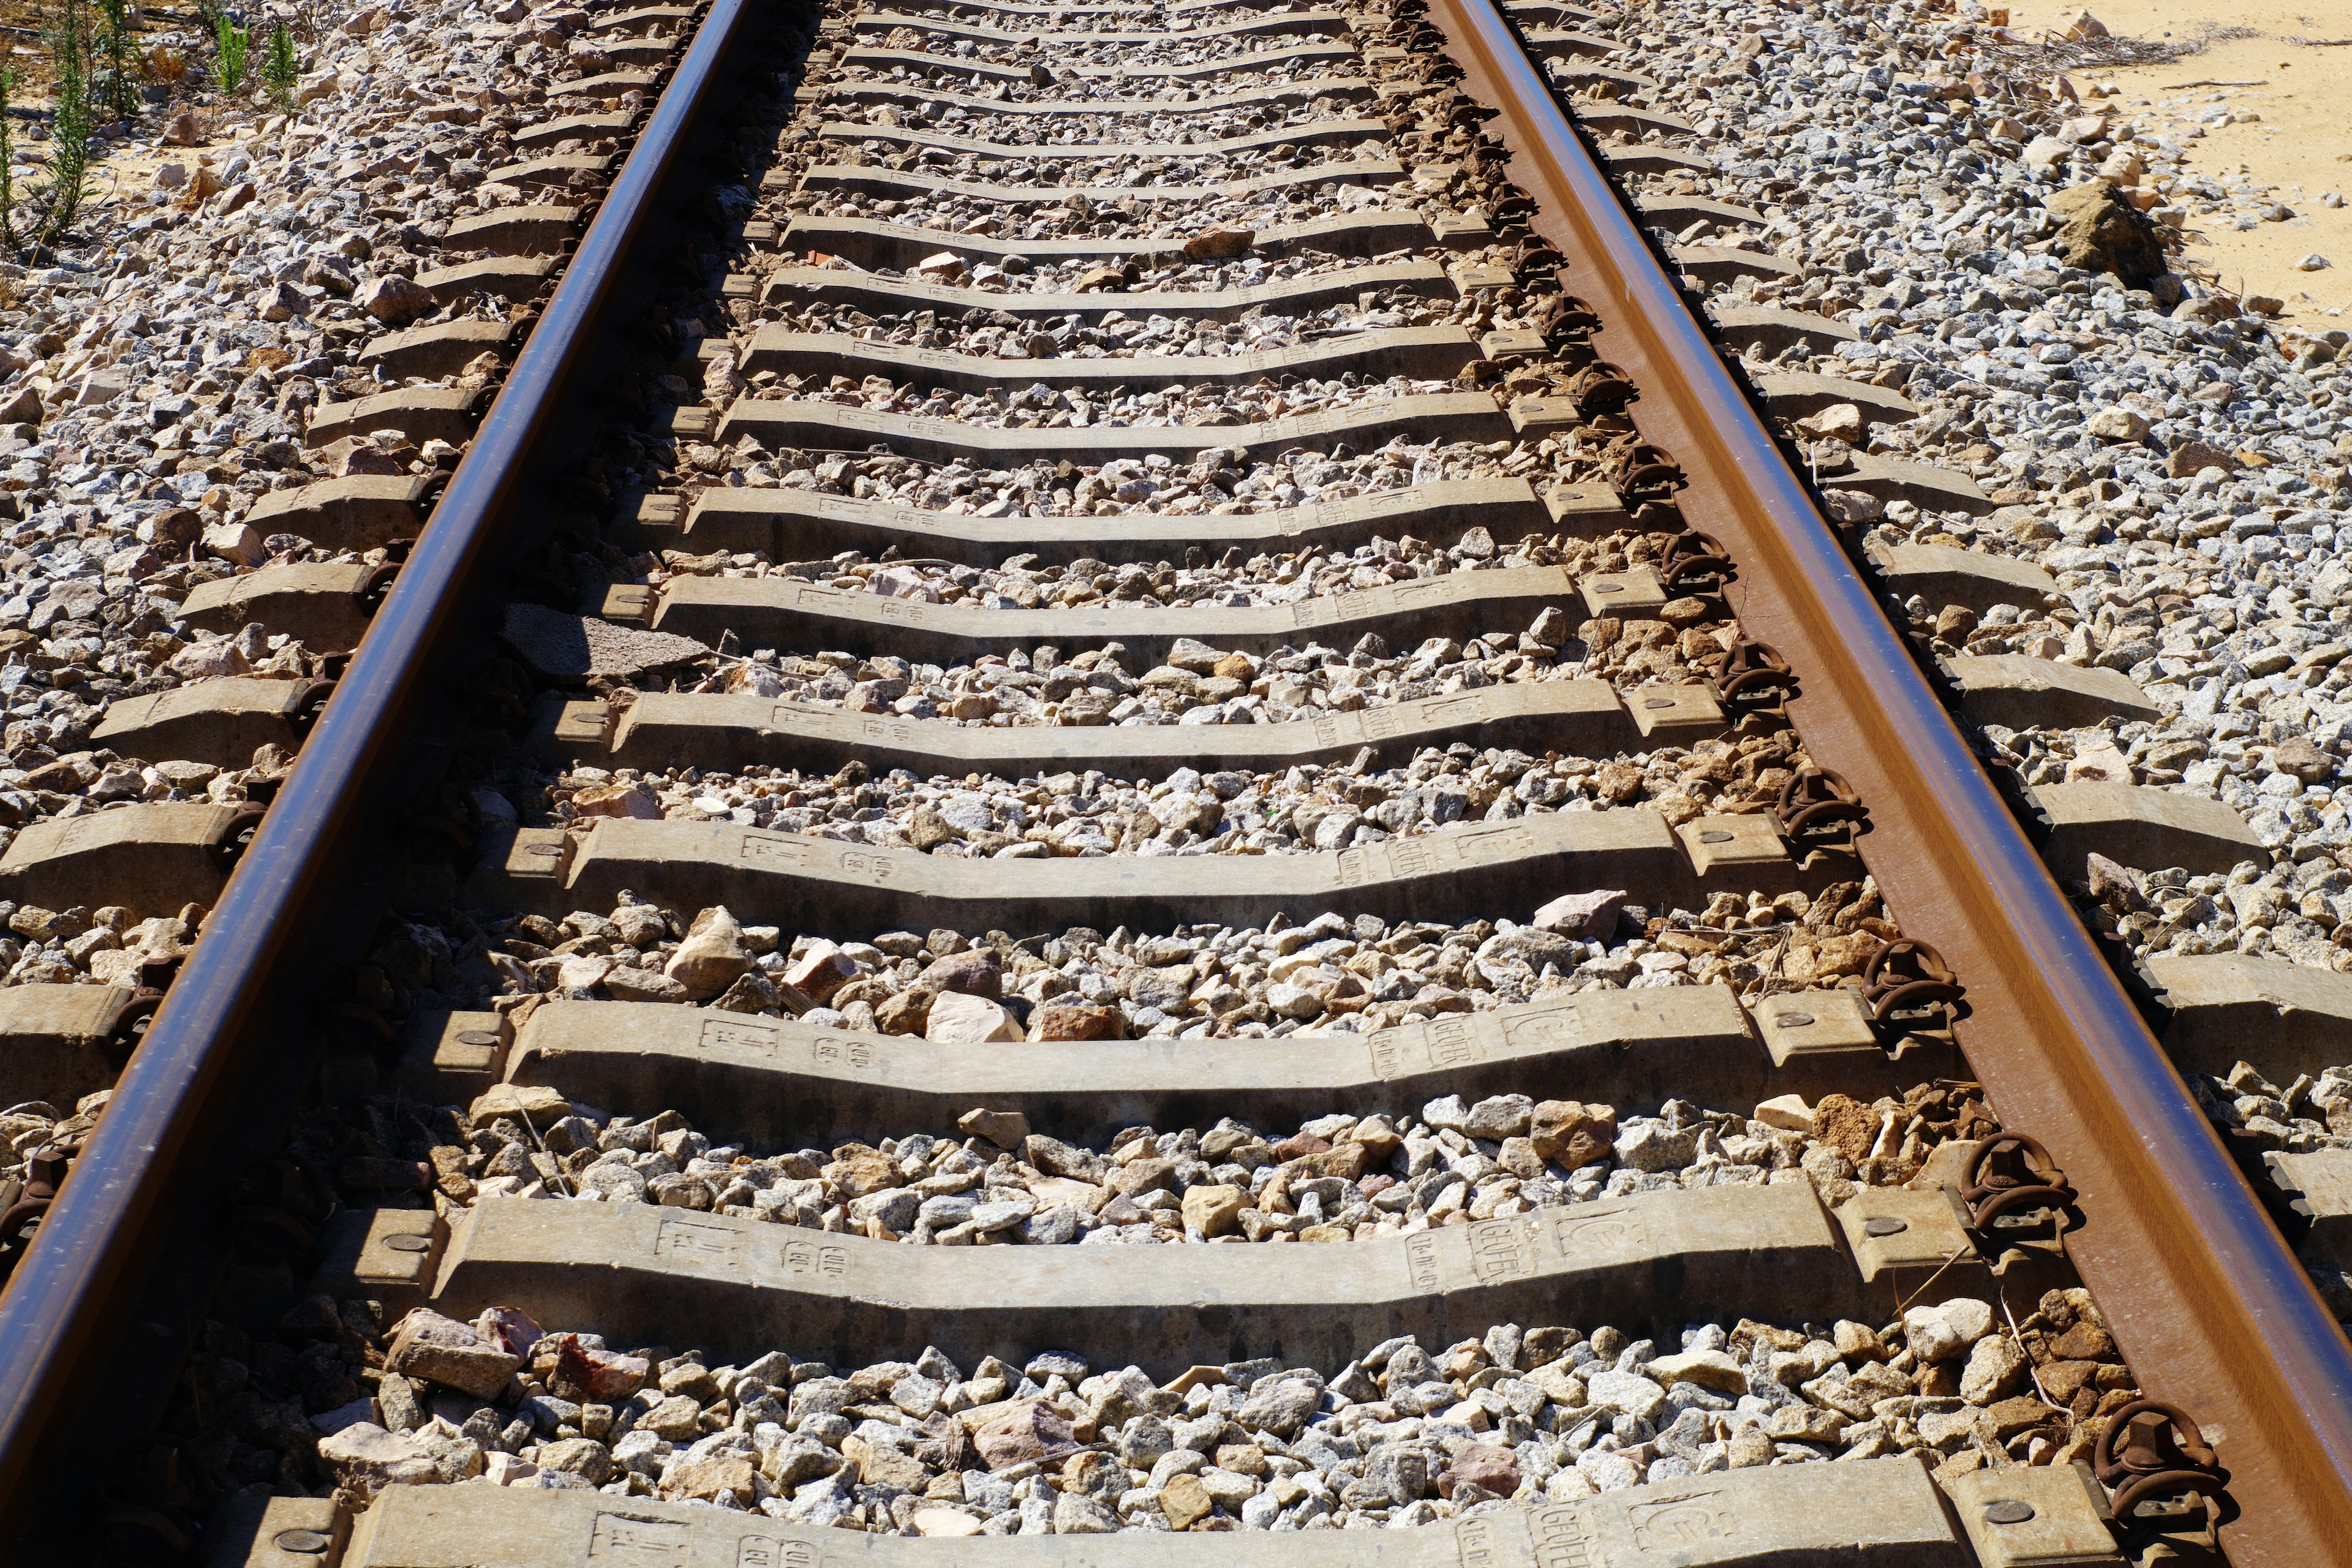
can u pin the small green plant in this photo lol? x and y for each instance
(280, 69)
(233, 39)
(7, 172)
(69, 123)
(120, 92)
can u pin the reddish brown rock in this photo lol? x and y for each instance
(1490, 1469)
(1070, 1020)
(1025, 1432)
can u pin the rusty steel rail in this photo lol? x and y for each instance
(69, 1292)
(2202, 1293)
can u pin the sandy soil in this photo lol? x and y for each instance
(2301, 147)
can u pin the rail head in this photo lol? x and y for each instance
(65, 1293)
(2199, 1287)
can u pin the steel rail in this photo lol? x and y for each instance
(63, 1293)
(2202, 1293)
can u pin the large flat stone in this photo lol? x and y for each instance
(824, 886)
(884, 89)
(871, 242)
(218, 722)
(1870, 1513)
(786, 612)
(363, 511)
(1287, 296)
(1427, 353)
(1943, 575)
(882, 59)
(2146, 828)
(881, 180)
(2017, 691)
(573, 648)
(814, 525)
(1247, 24)
(318, 605)
(1320, 134)
(740, 1287)
(780, 1083)
(151, 859)
(2228, 1007)
(58, 1043)
(776, 423)
(716, 729)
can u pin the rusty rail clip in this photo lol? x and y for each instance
(2151, 1450)
(45, 1169)
(1696, 563)
(237, 834)
(1602, 388)
(2013, 1173)
(310, 703)
(1644, 473)
(1818, 806)
(1906, 976)
(1752, 676)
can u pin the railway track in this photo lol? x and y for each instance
(1123, 794)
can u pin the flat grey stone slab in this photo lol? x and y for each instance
(421, 413)
(740, 1287)
(2143, 828)
(574, 127)
(537, 230)
(1869, 1513)
(1681, 211)
(219, 721)
(443, 349)
(716, 730)
(1726, 263)
(870, 242)
(54, 1040)
(849, 891)
(363, 511)
(1344, 89)
(786, 1084)
(2228, 1007)
(1777, 328)
(1944, 575)
(1554, 43)
(814, 525)
(1645, 158)
(1438, 416)
(1928, 486)
(1322, 134)
(785, 612)
(2015, 691)
(151, 859)
(990, 70)
(2320, 1185)
(318, 605)
(1287, 296)
(1797, 393)
(571, 647)
(1625, 120)
(1246, 23)
(880, 180)
(513, 279)
(1422, 352)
